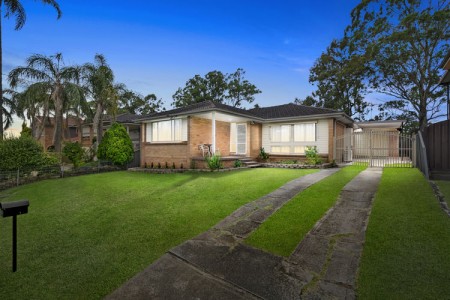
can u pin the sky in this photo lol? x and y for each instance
(156, 46)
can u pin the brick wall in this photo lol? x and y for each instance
(199, 132)
(255, 139)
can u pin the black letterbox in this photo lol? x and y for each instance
(10, 209)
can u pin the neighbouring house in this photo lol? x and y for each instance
(70, 130)
(127, 120)
(445, 80)
(176, 136)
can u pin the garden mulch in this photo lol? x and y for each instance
(218, 265)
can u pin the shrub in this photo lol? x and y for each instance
(312, 157)
(74, 152)
(173, 165)
(23, 153)
(214, 162)
(237, 163)
(263, 155)
(116, 145)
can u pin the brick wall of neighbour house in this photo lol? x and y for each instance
(46, 139)
(255, 139)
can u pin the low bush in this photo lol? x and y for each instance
(74, 152)
(312, 156)
(214, 162)
(263, 155)
(23, 153)
(116, 145)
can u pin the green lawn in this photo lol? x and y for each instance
(406, 253)
(283, 231)
(85, 236)
(444, 187)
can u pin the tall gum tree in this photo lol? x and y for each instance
(404, 42)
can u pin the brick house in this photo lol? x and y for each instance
(88, 132)
(70, 130)
(284, 131)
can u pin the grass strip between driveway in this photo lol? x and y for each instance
(406, 252)
(85, 236)
(285, 229)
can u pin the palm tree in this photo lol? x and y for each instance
(99, 79)
(13, 8)
(32, 102)
(8, 107)
(55, 78)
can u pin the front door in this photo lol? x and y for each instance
(241, 139)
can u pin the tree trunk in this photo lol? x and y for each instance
(57, 137)
(97, 120)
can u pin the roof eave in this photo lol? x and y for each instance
(346, 118)
(188, 113)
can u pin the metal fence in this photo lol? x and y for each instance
(376, 149)
(9, 179)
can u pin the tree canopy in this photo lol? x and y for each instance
(232, 89)
(339, 76)
(391, 47)
(134, 103)
(404, 43)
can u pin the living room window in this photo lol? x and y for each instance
(167, 131)
(305, 132)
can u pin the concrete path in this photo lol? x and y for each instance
(217, 265)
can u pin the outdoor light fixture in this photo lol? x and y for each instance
(12, 209)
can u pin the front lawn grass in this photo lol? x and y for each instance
(85, 236)
(284, 230)
(444, 187)
(406, 252)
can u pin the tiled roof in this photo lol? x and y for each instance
(127, 118)
(290, 110)
(264, 113)
(200, 107)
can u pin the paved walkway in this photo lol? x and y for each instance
(217, 265)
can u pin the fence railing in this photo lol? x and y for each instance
(12, 178)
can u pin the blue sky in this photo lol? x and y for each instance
(156, 46)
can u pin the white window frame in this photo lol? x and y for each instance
(286, 138)
(178, 131)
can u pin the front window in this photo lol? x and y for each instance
(167, 131)
(291, 138)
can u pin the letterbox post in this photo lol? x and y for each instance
(12, 209)
(14, 244)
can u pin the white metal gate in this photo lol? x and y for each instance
(376, 149)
